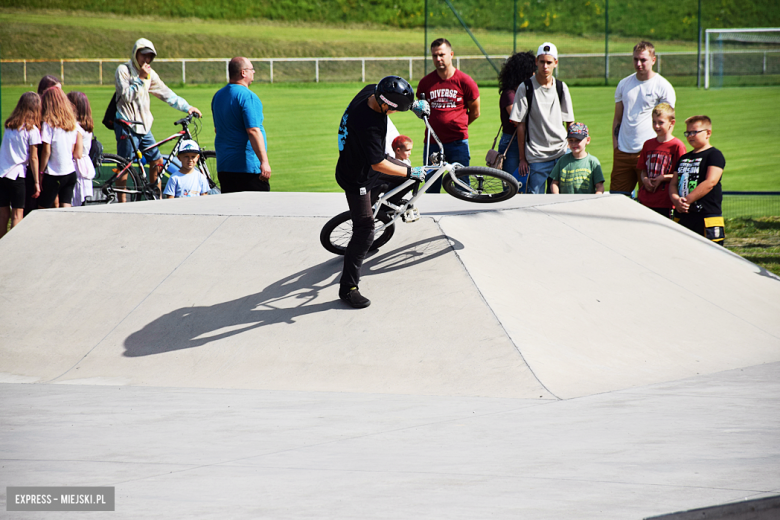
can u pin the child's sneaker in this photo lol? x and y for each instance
(353, 298)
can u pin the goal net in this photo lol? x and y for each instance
(732, 54)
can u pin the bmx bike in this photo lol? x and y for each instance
(469, 183)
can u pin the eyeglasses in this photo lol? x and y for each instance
(694, 132)
(250, 70)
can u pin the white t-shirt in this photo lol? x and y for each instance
(546, 131)
(62, 143)
(192, 184)
(15, 151)
(639, 99)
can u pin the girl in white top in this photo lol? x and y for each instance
(62, 144)
(19, 149)
(85, 170)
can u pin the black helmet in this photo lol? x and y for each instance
(396, 92)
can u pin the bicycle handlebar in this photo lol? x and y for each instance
(184, 121)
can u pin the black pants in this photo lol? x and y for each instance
(360, 207)
(231, 182)
(362, 237)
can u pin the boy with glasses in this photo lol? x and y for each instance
(695, 188)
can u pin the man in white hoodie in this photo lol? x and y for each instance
(135, 81)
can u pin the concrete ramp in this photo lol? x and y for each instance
(538, 297)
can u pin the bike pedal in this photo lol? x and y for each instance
(411, 215)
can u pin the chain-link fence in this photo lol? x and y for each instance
(752, 204)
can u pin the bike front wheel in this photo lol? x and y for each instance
(208, 165)
(337, 232)
(485, 184)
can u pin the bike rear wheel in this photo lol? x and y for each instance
(208, 165)
(104, 184)
(337, 232)
(488, 184)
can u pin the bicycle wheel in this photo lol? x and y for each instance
(488, 184)
(208, 165)
(337, 232)
(106, 190)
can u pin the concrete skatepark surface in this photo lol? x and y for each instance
(545, 357)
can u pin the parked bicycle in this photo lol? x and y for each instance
(120, 180)
(469, 183)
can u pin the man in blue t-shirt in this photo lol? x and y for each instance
(242, 160)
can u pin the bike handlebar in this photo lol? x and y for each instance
(184, 121)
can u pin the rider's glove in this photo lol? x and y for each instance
(421, 108)
(417, 173)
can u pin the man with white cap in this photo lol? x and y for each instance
(542, 106)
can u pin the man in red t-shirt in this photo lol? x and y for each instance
(454, 101)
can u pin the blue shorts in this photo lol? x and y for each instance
(124, 146)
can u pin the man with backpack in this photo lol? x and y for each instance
(542, 106)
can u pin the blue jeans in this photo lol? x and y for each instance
(454, 152)
(512, 156)
(124, 147)
(539, 173)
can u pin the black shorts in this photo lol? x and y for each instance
(232, 182)
(711, 227)
(54, 185)
(12, 193)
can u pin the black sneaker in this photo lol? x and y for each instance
(353, 298)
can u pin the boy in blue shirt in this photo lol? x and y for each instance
(188, 181)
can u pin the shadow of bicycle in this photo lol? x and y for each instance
(283, 301)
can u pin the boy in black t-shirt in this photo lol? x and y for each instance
(695, 189)
(361, 161)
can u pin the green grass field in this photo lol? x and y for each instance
(301, 121)
(45, 34)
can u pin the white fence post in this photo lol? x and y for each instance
(25, 70)
(272, 70)
(183, 72)
(316, 71)
(227, 71)
(410, 69)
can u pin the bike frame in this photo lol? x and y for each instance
(442, 168)
(181, 135)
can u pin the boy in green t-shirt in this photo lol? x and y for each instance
(578, 171)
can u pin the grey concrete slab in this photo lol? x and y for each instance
(546, 357)
(211, 453)
(604, 295)
(249, 302)
(541, 297)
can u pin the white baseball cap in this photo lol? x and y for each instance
(188, 145)
(547, 48)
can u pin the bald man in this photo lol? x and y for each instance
(242, 157)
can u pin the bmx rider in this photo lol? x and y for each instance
(362, 161)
